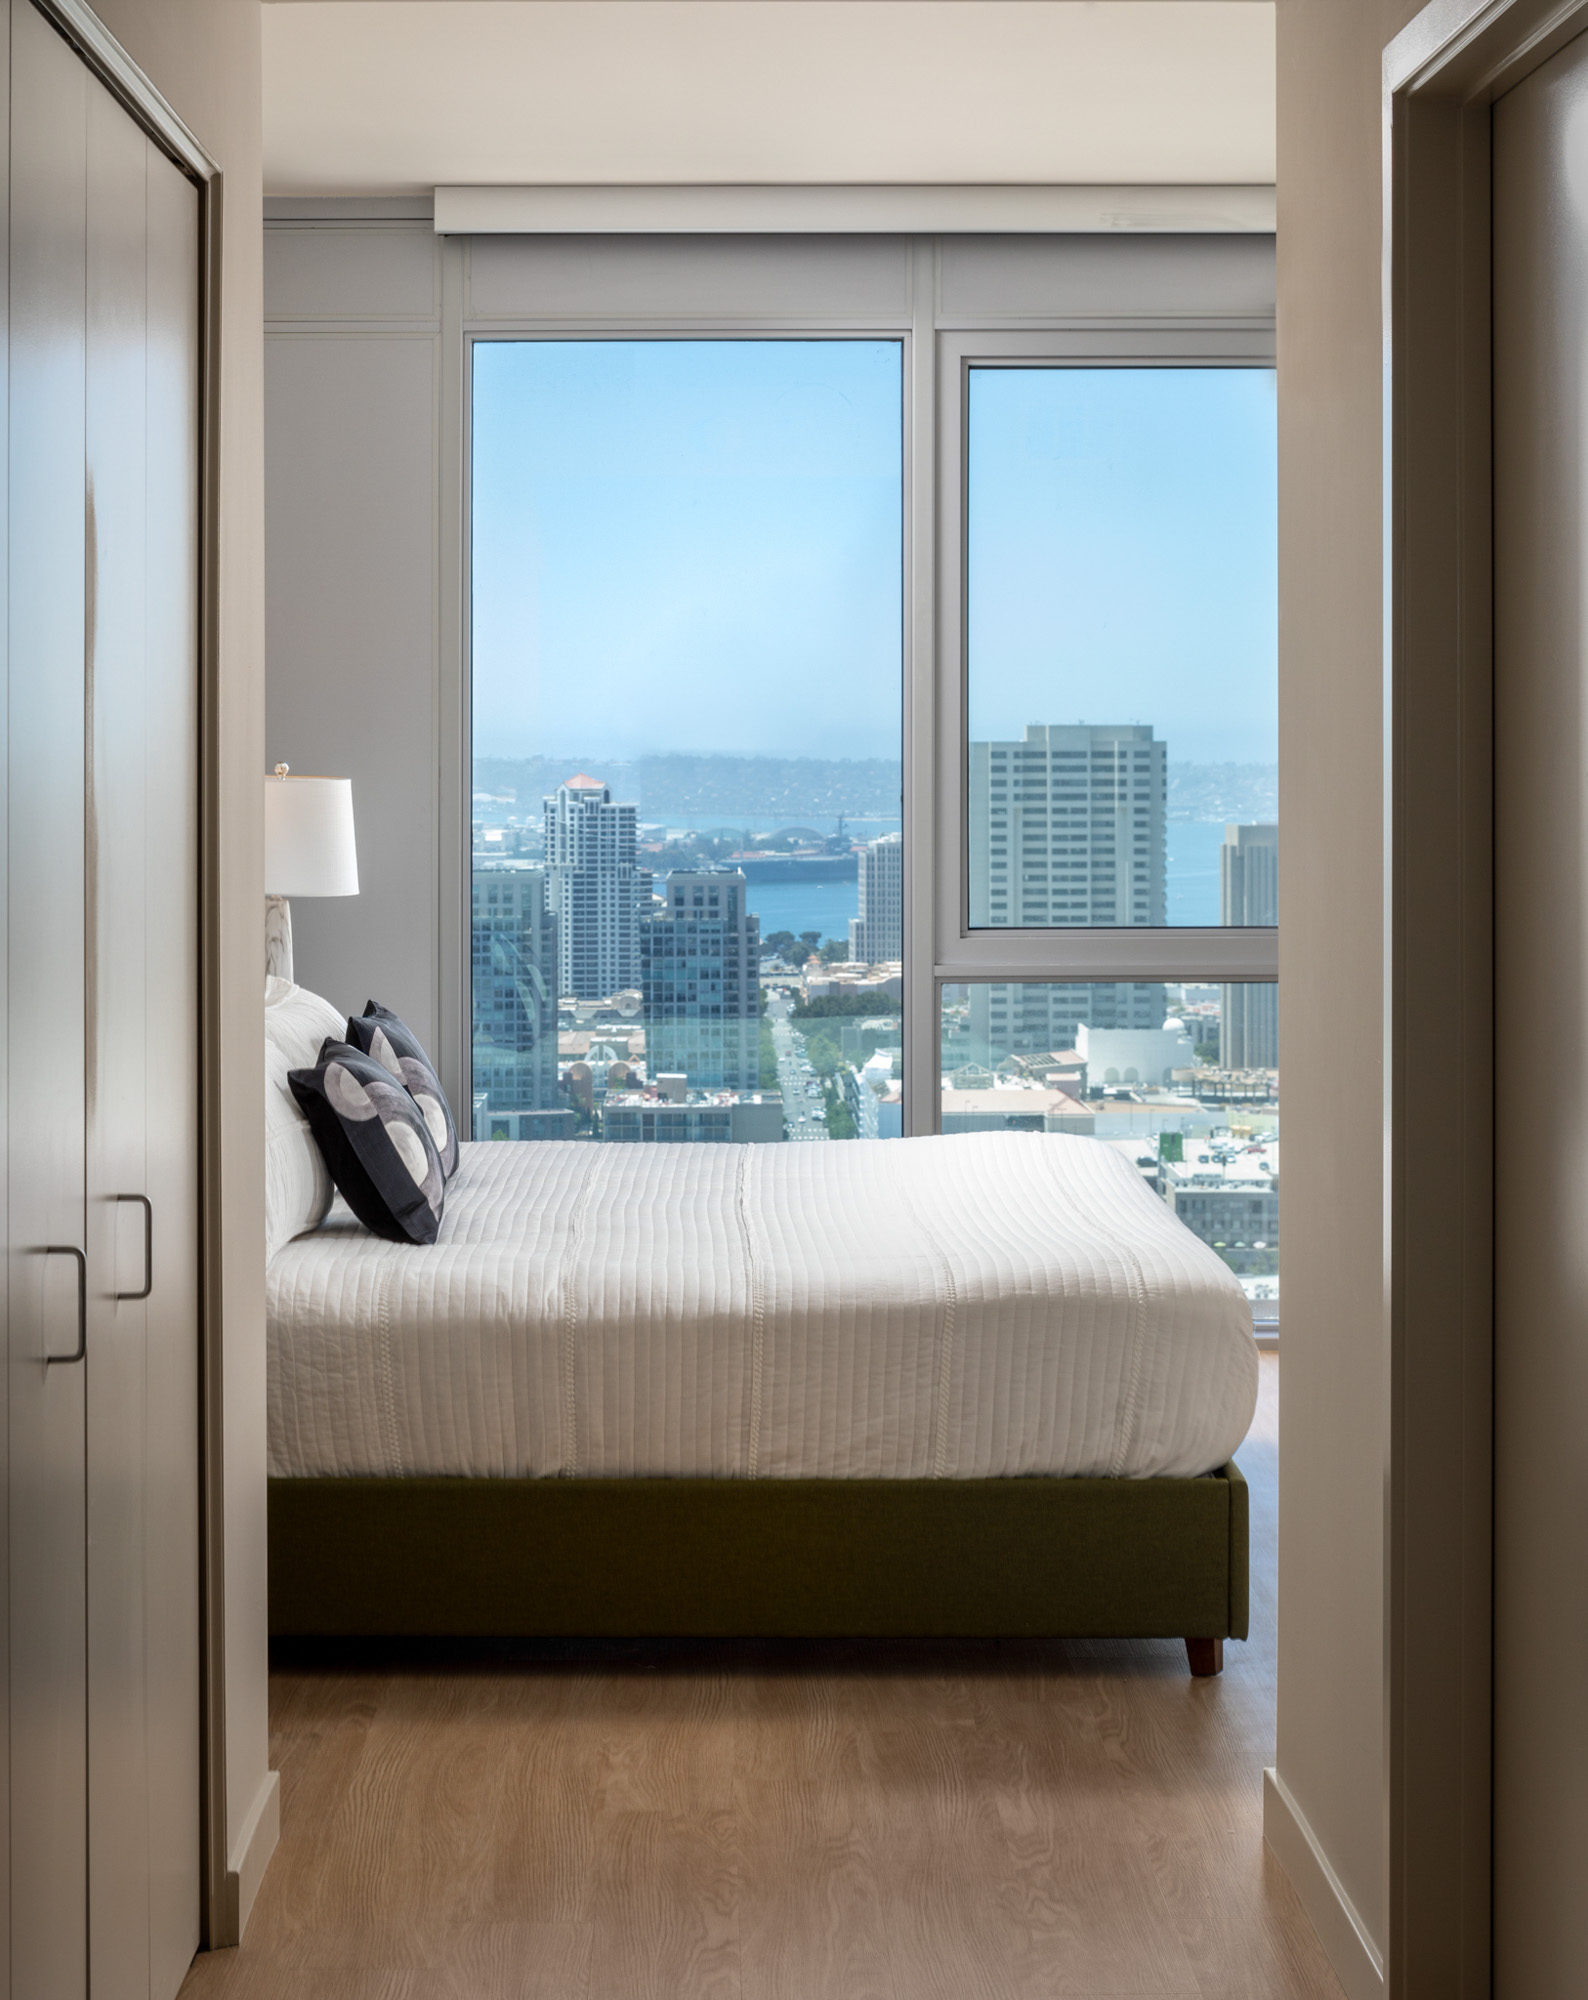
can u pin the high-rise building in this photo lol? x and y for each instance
(877, 934)
(1066, 828)
(514, 954)
(598, 892)
(1249, 894)
(700, 960)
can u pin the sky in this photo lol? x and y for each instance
(698, 546)
(688, 545)
(1123, 556)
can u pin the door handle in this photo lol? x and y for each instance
(148, 1246)
(71, 1250)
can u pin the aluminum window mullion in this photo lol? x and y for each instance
(453, 994)
(922, 1015)
(1053, 954)
(1151, 953)
(950, 861)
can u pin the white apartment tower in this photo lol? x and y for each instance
(596, 889)
(877, 934)
(1066, 828)
(1249, 894)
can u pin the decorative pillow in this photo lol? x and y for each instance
(385, 1036)
(375, 1141)
(298, 1188)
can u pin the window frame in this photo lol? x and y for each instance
(1059, 954)
(1119, 301)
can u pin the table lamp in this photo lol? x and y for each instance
(309, 851)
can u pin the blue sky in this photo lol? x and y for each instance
(688, 545)
(1122, 554)
(697, 545)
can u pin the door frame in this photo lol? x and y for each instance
(149, 109)
(1441, 75)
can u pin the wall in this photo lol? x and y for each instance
(1540, 133)
(351, 375)
(1326, 1815)
(204, 56)
(365, 680)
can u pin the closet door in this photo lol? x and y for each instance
(115, 666)
(103, 1134)
(140, 1056)
(47, 1528)
(165, 808)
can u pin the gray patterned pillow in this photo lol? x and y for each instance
(376, 1142)
(388, 1038)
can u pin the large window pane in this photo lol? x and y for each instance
(1184, 1079)
(1122, 646)
(687, 714)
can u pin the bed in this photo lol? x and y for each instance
(980, 1385)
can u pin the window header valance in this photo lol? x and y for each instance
(853, 210)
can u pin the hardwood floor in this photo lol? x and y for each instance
(782, 1822)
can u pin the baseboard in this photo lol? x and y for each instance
(249, 1859)
(1357, 1962)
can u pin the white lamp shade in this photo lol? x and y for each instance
(309, 847)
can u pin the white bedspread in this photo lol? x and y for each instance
(966, 1307)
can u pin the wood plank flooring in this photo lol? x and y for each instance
(782, 1822)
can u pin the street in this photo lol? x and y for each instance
(801, 1087)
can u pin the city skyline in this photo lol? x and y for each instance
(1188, 1087)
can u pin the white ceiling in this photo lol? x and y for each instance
(367, 96)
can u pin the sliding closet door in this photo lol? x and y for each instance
(102, 875)
(140, 876)
(169, 808)
(49, 1739)
(118, 1402)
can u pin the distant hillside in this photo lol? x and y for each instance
(795, 787)
(819, 788)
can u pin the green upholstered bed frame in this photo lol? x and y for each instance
(703, 1558)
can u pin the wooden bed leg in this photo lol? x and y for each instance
(1206, 1657)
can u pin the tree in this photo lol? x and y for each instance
(835, 952)
(838, 1117)
(812, 941)
(777, 944)
(836, 1005)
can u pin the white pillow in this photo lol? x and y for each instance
(298, 1189)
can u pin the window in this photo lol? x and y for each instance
(1183, 1079)
(1121, 645)
(687, 708)
(904, 603)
